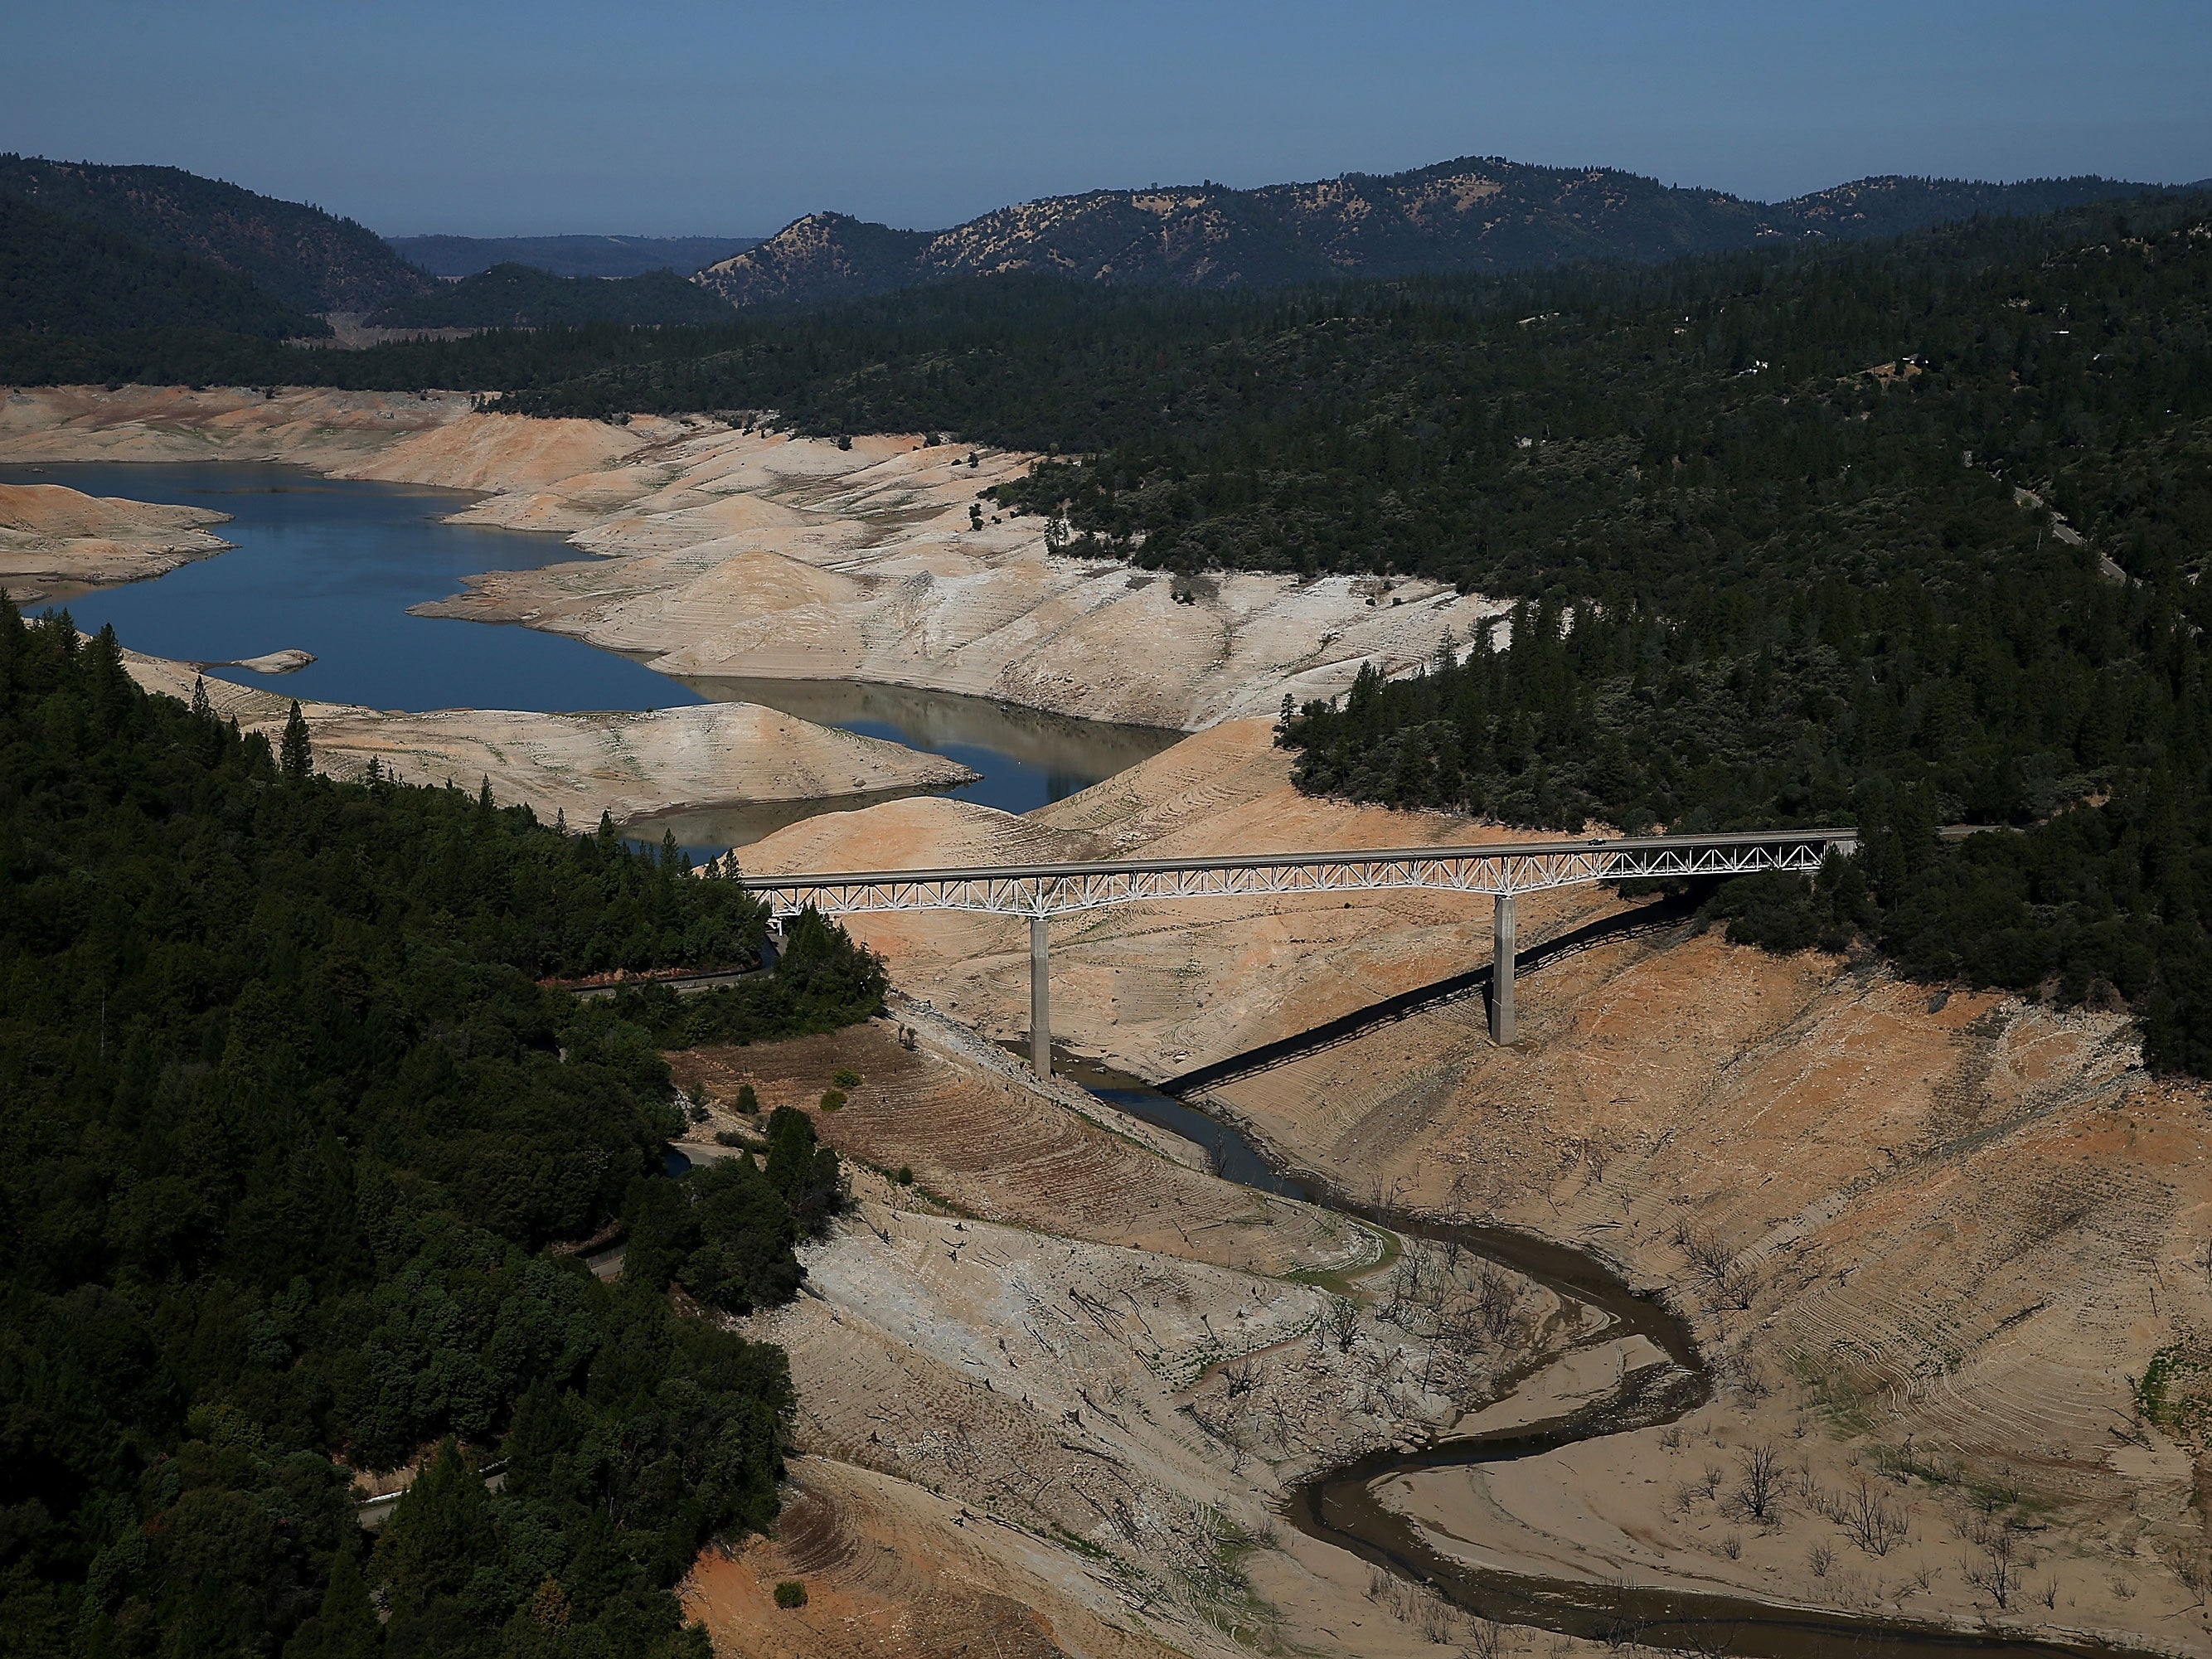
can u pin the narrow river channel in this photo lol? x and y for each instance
(1340, 1505)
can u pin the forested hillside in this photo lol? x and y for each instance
(287, 1124)
(300, 256)
(517, 296)
(63, 276)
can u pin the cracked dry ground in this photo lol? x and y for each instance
(1052, 1392)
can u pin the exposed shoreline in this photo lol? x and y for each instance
(720, 552)
(631, 765)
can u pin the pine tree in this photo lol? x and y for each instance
(295, 759)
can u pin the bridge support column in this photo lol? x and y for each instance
(1040, 997)
(772, 943)
(1501, 970)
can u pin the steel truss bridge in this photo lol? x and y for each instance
(1501, 869)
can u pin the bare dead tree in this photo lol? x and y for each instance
(1997, 1574)
(1496, 1298)
(1867, 1519)
(1762, 1483)
(1341, 1320)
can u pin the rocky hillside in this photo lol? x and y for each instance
(1465, 215)
(300, 255)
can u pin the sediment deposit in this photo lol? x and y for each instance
(56, 542)
(627, 764)
(736, 554)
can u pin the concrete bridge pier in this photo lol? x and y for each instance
(1501, 970)
(1040, 997)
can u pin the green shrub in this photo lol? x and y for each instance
(748, 1100)
(906, 1175)
(791, 1594)
(847, 1078)
(833, 1100)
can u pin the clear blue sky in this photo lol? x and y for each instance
(682, 117)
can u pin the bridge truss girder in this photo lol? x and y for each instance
(1501, 871)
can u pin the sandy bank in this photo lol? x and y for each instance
(426, 438)
(726, 553)
(626, 764)
(768, 555)
(1931, 1241)
(54, 541)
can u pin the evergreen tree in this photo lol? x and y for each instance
(295, 759)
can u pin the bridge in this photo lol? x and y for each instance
(1504, 870)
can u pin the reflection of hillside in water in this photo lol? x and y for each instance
(1028, 758)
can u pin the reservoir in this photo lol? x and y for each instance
(331, 566)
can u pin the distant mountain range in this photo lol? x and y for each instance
(300, 256)
(1467, 215)
(566, 256)
(96, 248)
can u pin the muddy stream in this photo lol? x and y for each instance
(1341, 1507)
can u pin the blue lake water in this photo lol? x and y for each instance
(331, 566)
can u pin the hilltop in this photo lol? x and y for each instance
(1467, 215)
(68, 276)
(298, 255)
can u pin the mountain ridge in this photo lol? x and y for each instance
(1467, 214)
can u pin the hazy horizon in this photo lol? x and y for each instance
(677, 118)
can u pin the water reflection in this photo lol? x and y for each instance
(1028, 758)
